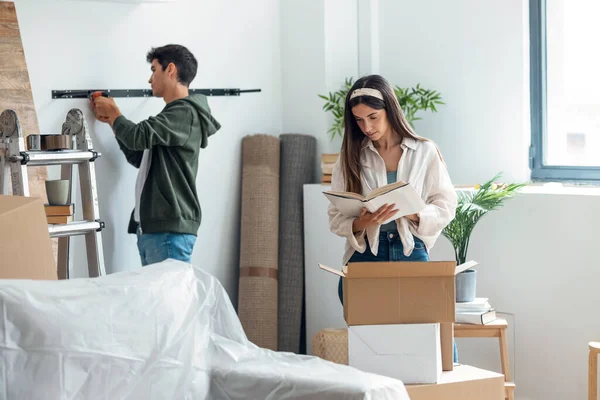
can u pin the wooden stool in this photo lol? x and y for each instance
(331, 344)
(593, 371)
(494, 329)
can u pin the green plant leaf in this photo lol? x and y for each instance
(472, 206)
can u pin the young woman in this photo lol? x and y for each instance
(380, 147)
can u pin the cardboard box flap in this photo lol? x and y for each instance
(463, 267)
(405, 269)
(332, 270)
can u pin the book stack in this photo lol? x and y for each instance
(477, 312)
(327, 163)
(62, 214)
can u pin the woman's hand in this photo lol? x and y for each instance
(367, 219)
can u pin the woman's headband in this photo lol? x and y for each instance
(367, 92)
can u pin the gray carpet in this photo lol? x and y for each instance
(298, 154)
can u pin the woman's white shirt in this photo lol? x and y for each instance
(422, 167)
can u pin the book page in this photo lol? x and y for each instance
(384, 189)
(348, 195)
(405, 199)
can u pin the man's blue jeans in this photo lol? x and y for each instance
(157, 247)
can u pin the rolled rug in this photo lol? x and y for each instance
(257, 300)
(298, 154)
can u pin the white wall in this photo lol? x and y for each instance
(72, 45)
(303, 69)
(318, 50)
(474, 53)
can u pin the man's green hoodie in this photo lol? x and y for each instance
(172, 141)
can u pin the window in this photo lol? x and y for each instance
(565, 78)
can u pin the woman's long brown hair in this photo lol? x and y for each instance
(353, 136)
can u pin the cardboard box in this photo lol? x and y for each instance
(25, 246)
(464, 383)
(403, 293)
(447, 345)
(408, 352)
(377, 293)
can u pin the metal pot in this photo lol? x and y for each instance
(56, 142)
(34, 142)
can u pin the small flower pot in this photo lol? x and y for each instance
(466, 285)
(58, 192)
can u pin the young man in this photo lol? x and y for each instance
(165, 148)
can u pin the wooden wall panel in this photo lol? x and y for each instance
(15, 88)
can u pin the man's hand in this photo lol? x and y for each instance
(105, 109)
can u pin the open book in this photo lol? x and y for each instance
(400, 193)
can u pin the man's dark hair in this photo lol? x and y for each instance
(184, 60)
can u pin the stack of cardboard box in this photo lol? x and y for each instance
(400, 324)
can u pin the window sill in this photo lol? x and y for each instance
(555, 188)
(562, 188)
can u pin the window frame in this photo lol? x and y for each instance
(538, 103)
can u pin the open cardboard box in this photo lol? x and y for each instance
(25, 245)
(406, 292)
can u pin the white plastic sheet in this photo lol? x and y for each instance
(167, 331)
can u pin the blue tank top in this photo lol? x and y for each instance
(390, 226)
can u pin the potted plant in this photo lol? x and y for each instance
(473, 204)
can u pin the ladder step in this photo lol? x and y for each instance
(40, 158)
(74, 228)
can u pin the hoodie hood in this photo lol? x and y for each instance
(208, 124)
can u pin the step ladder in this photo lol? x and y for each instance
(14, 160)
